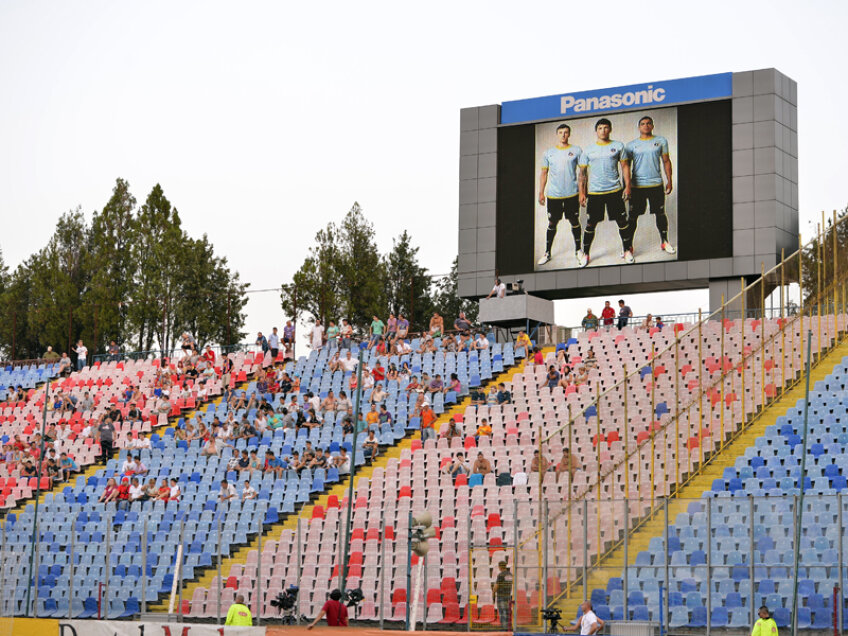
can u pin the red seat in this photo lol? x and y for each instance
(493, 520)
(434, 596)
(399, 595)
(232, 582)
(406, 491)
(487, 614)
(318, 512)
(452, 614)
(461, 480)
(332, 501)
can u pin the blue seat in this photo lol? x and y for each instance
(718, 617)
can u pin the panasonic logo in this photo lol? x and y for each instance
(649, 95)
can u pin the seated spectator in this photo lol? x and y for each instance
(590, 361)
(455, 385)
(553, 377)
(492, 396)
(413, 385)
(484, 429)
(248, 492)
(427, 345)
(449, 343)
(371, 447)
(581, 376)
(538, 356)
(378, 395)
(452, 430)
(482, 342)
(67, 466)
(436, 386)
(648, 323)
(227, 491)
(402, 328)
(504, 396)
(523, 344)
(136, 491)
(568, 464)
(342, 461)
(320, 460)
(233, 464)
(273, 465)
(110, 493)
(328, 404)
(462, 324)
(64, 365)
(538, 463)
(658, 323)
(174, 491)
(212, 447)
(482, 466)
(123, 498)
(456, 467)
(384, 417)
(150, 490)
(391, 374)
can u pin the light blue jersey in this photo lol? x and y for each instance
(561, 164)
(602, 160)
(646, 161)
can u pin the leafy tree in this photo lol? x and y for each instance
(447, 301)
(360, 269)
(407, 284)
(818, 258)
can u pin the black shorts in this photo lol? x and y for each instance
(568, 208)
(641, 197)
(610, 202)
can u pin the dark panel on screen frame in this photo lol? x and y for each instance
(705, 194)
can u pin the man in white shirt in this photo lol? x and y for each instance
(349, 363)
(482, 343)
(317, 335)
(249, 491)
(228, 491)
(498, 290)
(139, 443)
(129, 467)
(136, 490)
(589, 623)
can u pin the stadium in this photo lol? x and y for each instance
(414, 455)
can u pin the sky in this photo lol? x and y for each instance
(264, 121)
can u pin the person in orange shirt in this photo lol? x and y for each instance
(372, 417)
(484, 430)
(428, 417)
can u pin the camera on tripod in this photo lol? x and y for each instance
(285, 603)
(553, 616)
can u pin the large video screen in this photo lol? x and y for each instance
(679, 206)
(605, 193)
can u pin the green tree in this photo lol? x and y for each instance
(361, 272)
(447, 301)
(818, 259)
(407, 284)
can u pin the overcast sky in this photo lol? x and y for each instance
(265, 120)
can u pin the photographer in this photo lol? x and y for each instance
(334, 610)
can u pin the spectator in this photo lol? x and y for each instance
(391, 327)
(328, 404)
(502, 591)
(483, 429)
(66, 467)
(462, 324)
(378, 395)
(499, 290)
(332, 334)
(456, 467)
(114, 351)
(288, 336)
(538, 463)
(346, 334)
(402, 328)
(504, 396)
(455, 385)
(428, 418)
(370, 447)
(624, 314)
(608, 314)
(452, 430)
(82, 354)
(492, 396)
(227, 492)
(591, 360)
(568, 464)
(64, 364)
(50, 355)
(150, 490)
(188, 343)
(274, 343)
(136, 491)
(317, 335)
(590, 321)
(375, 331)
(538, 357)
(553, 377)
(123, 498)
(385, 417)
(334, 610)
(436, 385)
(482, 342)
(658, 323)
(342, 461)
(248, 492)
(437, 325)
(648, 323)
(523, 343)
(106, 435)
(174, 491)
(110, 493)
(482, 466)
(262, 342)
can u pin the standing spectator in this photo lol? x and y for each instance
(375, 331)
(346, 334)
(402, 328)
(50, 355)
(624, 314)
(498, 290)
(262, 342)
(274, 343)
(502, 590)
(106, 434)
(82, 354)
(114, 351)
(334, 610)
(288, 336)
(437, 325)
(428, 417)
(538, 357)
(332, 334)
(590, 321)
(608, 314)
(317, 336)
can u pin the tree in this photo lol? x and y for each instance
(448, 303)
(818, 259)
(407, 284)
(361, 274)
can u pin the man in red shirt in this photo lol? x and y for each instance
(334, 610)
(379, 372)
(608, 314)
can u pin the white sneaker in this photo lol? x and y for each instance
(545, 258)
(627, 255)
(667, 247)
(582, 259)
